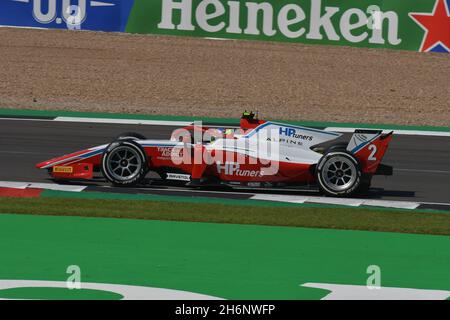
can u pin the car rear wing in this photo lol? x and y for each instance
(369, 147)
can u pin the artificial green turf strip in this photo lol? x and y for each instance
(229, 261)
(313, 217)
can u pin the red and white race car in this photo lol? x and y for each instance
(259, 154)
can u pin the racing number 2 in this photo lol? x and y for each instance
(373, 149)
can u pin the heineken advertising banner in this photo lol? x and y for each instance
(418, 25)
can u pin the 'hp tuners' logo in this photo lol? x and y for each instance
(73, 15)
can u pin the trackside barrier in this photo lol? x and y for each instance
(417, 25)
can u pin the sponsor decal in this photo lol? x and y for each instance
(314, 21)
(291, 20)
(233, 169)
(178, 176)
(436, 26)
(418, 25)
(293, 136)
(165, 152)
(173, 153)
(72, 15)
(291, 132)
(62, 169)
(359, 140)
(102, 15)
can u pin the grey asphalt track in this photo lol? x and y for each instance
(421, 163)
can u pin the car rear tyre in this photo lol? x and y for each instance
(124, 163)
(339, 174)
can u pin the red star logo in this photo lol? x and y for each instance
(436, 26)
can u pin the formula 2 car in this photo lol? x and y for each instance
(258, 154)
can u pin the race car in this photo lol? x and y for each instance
(257, 154)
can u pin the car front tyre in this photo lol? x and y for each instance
(124, 163)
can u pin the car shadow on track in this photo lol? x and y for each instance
(378, 193)
(151, 187)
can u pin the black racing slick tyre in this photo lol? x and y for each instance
(124, 163)
(339, 174)
(130, 136)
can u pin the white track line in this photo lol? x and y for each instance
(107, 121)
(338, 201)
(186, 123)
(280, 198)
(124, 121)
(14, 185)
(391, 204)
(398, 132)
(57, 187)
(352, 202)
(48, 186)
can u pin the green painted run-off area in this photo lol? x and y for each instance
(228, 261)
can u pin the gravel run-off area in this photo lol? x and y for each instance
(113, 72)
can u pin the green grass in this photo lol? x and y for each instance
(313, 217)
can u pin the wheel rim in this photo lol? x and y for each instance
(339, 173)
(124, 163)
